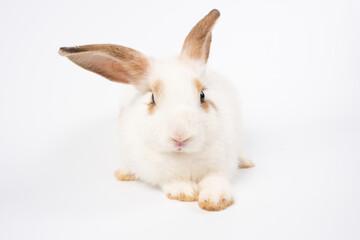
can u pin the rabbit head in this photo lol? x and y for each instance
(174, 106)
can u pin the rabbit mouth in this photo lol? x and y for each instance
(180, 147)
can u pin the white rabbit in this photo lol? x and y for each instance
(180, 125)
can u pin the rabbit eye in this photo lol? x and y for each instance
(202, 96)
(152, 99)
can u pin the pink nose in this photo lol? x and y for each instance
(180, 142)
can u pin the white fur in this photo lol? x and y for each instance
(210, 157)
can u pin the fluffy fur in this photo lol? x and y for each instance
(188, 148)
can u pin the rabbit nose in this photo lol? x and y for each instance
(179, 142)
(180, 137)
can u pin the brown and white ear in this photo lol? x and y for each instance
(116, 63)
(197, 42)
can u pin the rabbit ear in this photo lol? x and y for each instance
(197, 42)
(116, 63)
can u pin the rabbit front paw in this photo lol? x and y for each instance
(217, 203)
(124, 175)
(181, 190)
(245, 163)
(215, 194)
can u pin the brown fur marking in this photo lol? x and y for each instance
(157, 88)
(198, 85)
(211, 103)
(198, 41)
(206, 105)
(211, 206)
(124, 176)
(151, 108)
(246, 163)
(182, 197)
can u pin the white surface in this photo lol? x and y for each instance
(295, 64)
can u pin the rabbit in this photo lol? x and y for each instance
(180, 124)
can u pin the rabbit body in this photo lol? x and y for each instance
(179, 125)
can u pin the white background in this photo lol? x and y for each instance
(295, 64)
